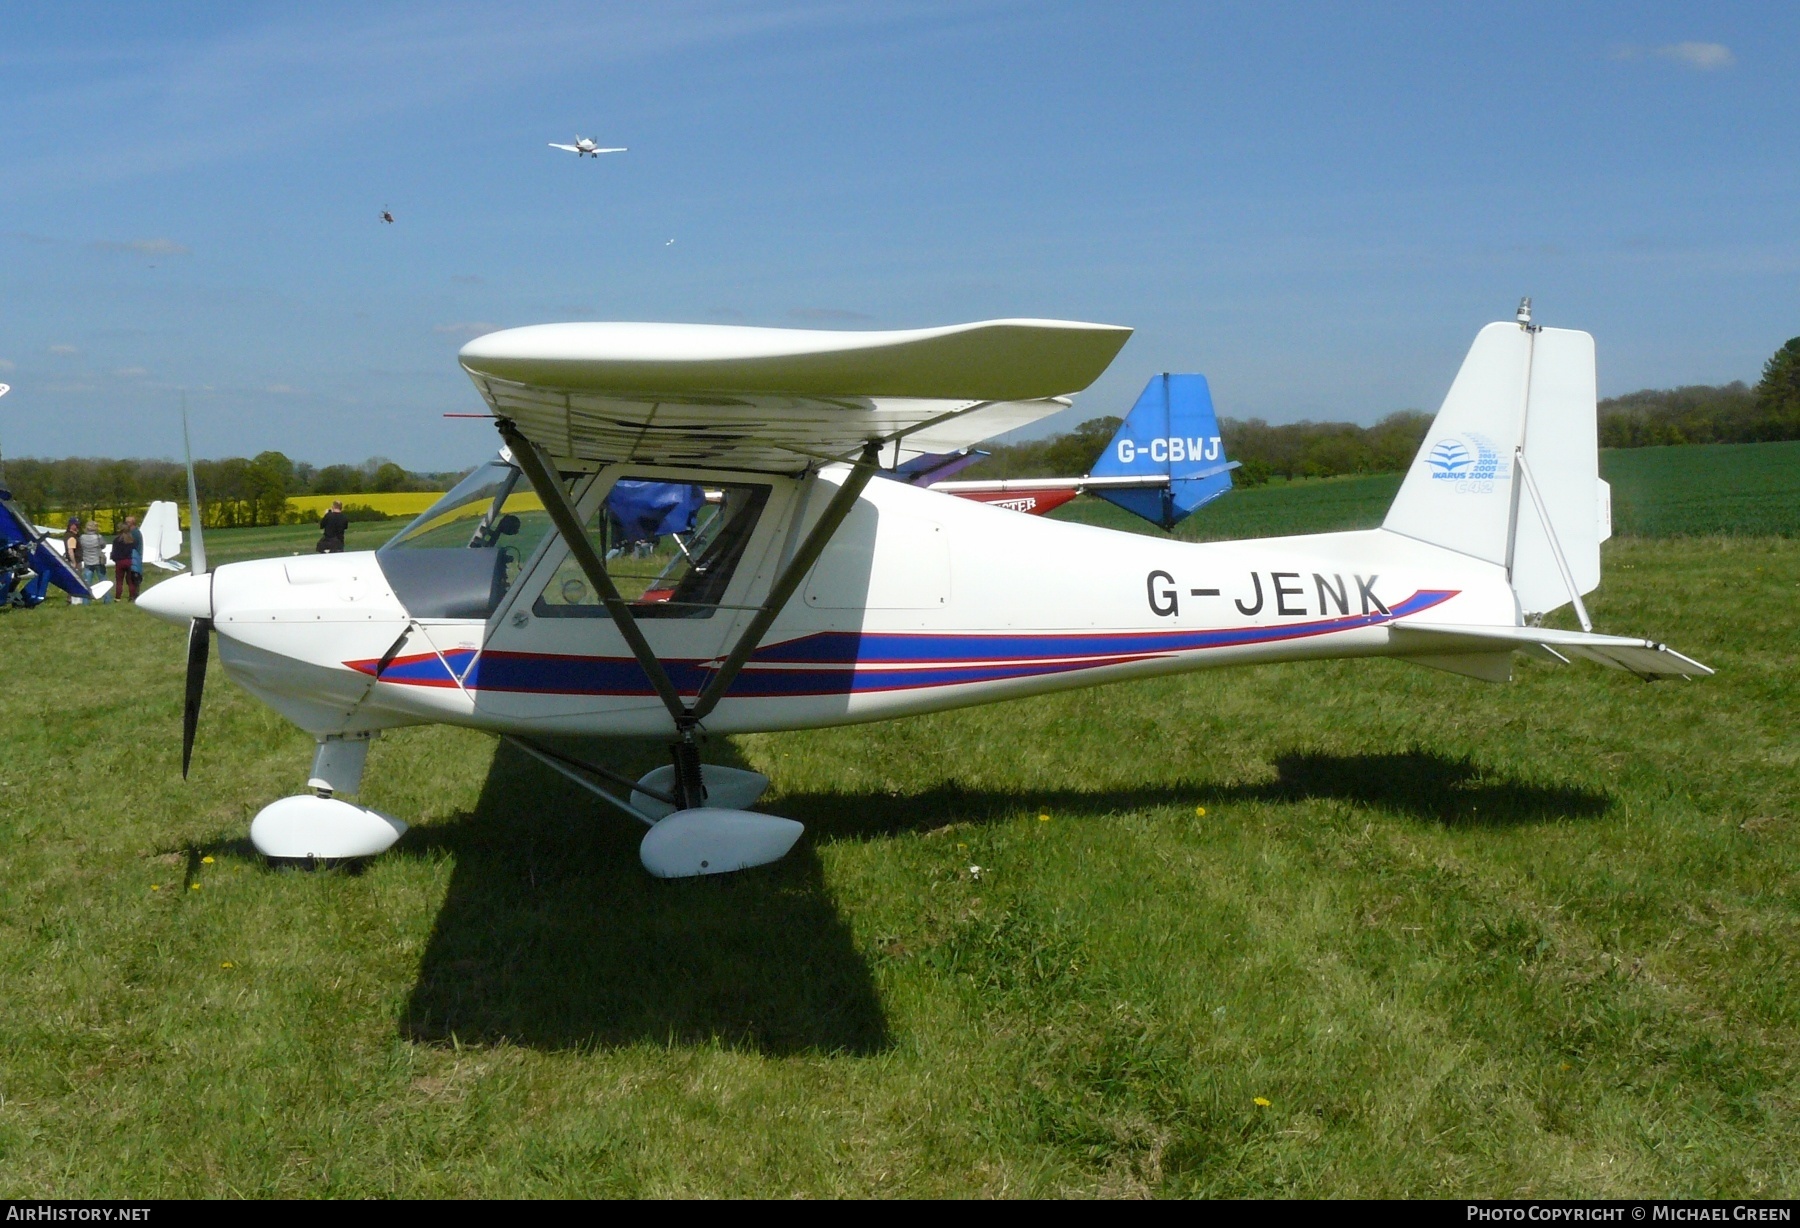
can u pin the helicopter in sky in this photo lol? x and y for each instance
(586, 147)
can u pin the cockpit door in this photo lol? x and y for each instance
(689, 551)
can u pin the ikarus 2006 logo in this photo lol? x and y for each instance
(1471, 461)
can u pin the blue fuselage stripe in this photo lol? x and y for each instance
(844, 662)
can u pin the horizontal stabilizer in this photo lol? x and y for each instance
(1645, 658)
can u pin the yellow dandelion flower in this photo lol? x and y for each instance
(206, 861)
(1200, 810)
(193, 886)
(156, 886)
(962, 846)
(1260, 1103)
(1043, 818)
(227, 964)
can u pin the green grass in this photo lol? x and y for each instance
(1656, 492)
(1749, 488)
(233, 545)
(1536, 939)
(1319, 505)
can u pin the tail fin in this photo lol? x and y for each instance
(1171, 432)
(1510, 471)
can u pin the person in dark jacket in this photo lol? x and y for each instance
(332, 526)
(128, 558)
(72, 552)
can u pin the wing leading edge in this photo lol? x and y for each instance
(776, 399)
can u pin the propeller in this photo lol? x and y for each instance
(199, 644)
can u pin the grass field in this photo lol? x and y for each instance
(1740, 489)
(1428, 937)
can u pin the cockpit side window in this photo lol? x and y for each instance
(459, 557)
(670, 548)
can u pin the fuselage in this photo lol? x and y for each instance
(922, 602)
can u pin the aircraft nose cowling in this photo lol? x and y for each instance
(179, 599)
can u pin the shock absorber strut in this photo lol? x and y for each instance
(690, 789)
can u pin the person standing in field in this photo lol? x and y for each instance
(92, 549)
(72, 550)
(128, 558)
(332, 527)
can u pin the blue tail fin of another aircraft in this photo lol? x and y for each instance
(1171, 432)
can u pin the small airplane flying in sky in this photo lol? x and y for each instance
(681, 538)
(586, 147)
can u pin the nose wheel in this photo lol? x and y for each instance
(318, 826)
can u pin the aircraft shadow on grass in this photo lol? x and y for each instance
(1418, 784)
(551, 934)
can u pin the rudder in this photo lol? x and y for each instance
(1173, 432)
(1509, 471)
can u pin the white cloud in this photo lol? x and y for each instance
(143, 247)
(131, 372)
(65, 351)
(1706, 57)
(468, 328)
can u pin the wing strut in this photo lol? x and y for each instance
(790, 578)
(568, 523)
(689, 790)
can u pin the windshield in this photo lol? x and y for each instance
(460, 556)
(468, 515)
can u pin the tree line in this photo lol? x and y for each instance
(237, 492)
(241, 492)
(1700, 413)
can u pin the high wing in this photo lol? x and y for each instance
(777, 400)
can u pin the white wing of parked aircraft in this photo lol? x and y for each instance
(779, 400)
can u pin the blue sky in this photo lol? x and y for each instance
(1317, 206)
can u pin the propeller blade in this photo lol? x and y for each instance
(197, 544)
(199, 645)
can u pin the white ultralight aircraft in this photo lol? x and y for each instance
(681, 538)
(584, 147)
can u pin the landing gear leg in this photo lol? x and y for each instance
(316, 826)
(696, 838)
(690, 789)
